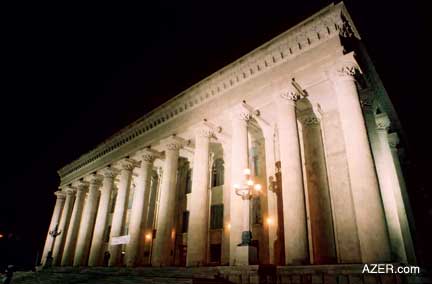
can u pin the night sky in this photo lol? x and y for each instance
(74, 75)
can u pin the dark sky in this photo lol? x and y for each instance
(73, 75)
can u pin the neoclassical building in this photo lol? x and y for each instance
(287, 156)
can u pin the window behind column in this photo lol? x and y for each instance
(218, 172)
(216, 216)
(185, 221)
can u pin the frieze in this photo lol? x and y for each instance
(324, 25)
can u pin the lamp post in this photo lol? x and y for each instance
(247, 190)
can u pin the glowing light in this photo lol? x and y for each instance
(257, 187)
(229, 226)
(123, 252)
(236, 185)
(148, 236)
(247, 172)
(1, 236)
(269, 221)
(250, 182)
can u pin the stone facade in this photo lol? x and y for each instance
(306, 113)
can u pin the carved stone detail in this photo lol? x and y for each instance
(347, 70)
(109, 172)
(60, 194)
(129, 164)
(310, 120)
(291, 95)
(382, 122)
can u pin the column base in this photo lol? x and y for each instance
(246, 255)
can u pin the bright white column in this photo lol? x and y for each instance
(293, 198)
(139, 205)
(87, 222)
(162, 246)
(373, 236)
(239, 209)
(198, 219)
(49, 242)
(63, 226)
(72, 232)
(95, 258)
(120, 208)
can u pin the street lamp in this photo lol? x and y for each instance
(247, 190)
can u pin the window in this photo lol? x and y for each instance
(185, 221)
(216, 216)
(113, 201)
(218, 173)
(215, 253)
(107, 234)
(189, 181)
(256, 211)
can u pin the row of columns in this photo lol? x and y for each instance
(80, 221)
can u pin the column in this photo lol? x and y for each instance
(293, 199)
(72, 232)
(404, 207)
(162, 246)
(139, 206)
(397, 221)
(239, 209)
(95, 258)
(87, 222)
(272, 216)
(63, 226)
(199, 211)
(373, 236)
(320, 210)
(120, 208)
(49, 242)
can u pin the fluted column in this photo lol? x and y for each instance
(272, 216)
(373, 236)
(95, 258)
(239, 209)
(162, 247)
(397, 221)
(63, 226)
(198, 219)
(72, 232)
(404, 206)
(49, 242)
(139, 205)
(294, 211)
(120, 208)
(87, 222)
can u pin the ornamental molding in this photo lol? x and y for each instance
(149, 155)
(60, 194)
(330, 22)
(110, 172)
(173, 143)
(290, 95)
(129, 164)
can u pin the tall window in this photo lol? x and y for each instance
(216, 216)
(218, 172)
(185, 222)
(107, 234)
(189, 181)
(256, 210)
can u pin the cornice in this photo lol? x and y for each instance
(325, 24)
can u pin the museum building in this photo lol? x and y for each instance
(289, 156)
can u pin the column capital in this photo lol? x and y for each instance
(81, 186)
(148, 155)
(60, 194)
(345, 68)
(393, 139)
(289, 95)
(309, 120)
(128, 164)
(368, 102)
(109, 172)
(95, 179)
(173, 143)
(241, 112)
(69, 190)
(382, 121)
(203, 131)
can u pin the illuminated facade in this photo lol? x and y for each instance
(306, 112)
